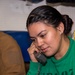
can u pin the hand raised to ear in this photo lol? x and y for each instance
(31, 50)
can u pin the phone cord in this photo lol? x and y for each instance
(39, 68)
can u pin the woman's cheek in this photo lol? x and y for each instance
(50, 38)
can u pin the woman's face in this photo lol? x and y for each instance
(46, 38)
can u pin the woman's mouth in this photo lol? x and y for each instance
(44, 49)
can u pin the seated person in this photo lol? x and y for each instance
(11, 60)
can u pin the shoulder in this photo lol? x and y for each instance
(72, 42)
(7, 41)
(6, 37)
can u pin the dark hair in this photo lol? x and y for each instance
(51, 16)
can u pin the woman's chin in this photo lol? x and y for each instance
(48, 54)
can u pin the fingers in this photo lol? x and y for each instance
(31, 50)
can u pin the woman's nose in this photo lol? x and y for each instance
(39, 42)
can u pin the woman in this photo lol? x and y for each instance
(49, 31)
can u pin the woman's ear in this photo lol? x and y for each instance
(60, 28)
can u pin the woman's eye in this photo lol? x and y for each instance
(33, 40)
(43, 35)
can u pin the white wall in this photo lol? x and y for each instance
(13, 14)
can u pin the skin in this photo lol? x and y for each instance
(47, 39)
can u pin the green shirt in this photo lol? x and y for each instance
(64, 66)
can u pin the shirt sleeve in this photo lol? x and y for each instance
(11, 57)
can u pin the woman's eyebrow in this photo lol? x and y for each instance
(37, 34)
(41, 32)
(32, 37)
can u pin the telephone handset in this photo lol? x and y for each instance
(40, 57)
